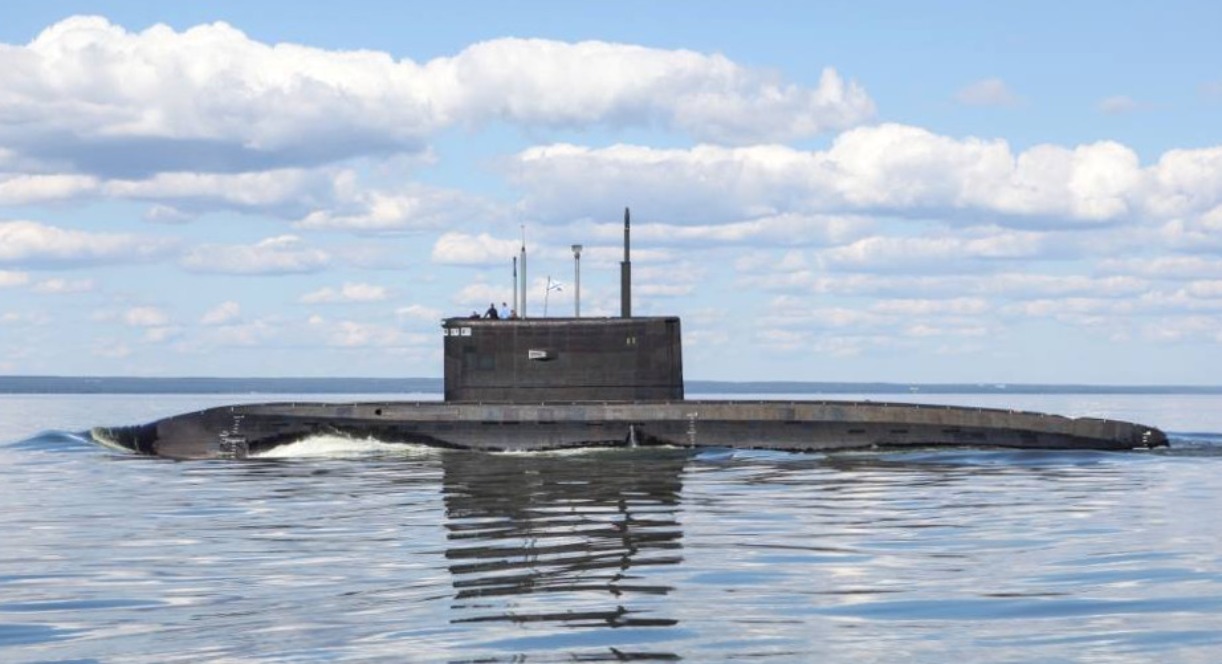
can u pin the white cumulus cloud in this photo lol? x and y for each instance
(145, 317)
(222, 314)
(287, 191)
(58, 286)
(27, 189)
(893, 169)
(35, 244)
(790, 229)
(414, 206)
(350, 292)
(212, 98)
(482, 249)
(356, 334)
(935, 254)
(284, 254)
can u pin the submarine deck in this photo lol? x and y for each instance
(808, 426)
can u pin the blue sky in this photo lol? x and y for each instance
(942, 192)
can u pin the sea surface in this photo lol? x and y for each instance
(355, 550)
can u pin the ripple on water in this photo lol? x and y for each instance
(347, 549)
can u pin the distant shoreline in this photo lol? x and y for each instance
(399, 386)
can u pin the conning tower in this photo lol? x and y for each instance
(566, 359)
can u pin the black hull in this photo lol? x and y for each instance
(804, 426)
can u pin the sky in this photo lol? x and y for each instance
(827, 191)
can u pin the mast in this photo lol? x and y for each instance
(522, 311)
(625, 275)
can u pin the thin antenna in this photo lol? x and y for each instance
(625, 275)
(515, 285)
(522, 311)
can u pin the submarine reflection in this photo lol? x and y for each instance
(581, 540)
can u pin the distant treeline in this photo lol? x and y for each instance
(131, 385)
(800, 387)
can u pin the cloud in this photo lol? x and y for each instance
(58, 286)
(24, 318)
(284, 254)
(482, 249)
(145, 317)
(34, 244)
(793, 323)
(1178, 329)
(961, 307)
(1005, 285)
(888, 169)
(1164, 267)
(208, 97)
(677, 279)
(946, 253)
(925, 307)
(416, 312)
(254, 333)
(27, 189)
(153, 322)
(479, 294)
(222, 314)
(10, 279)
(556, 84)
(704, 184)
(324, 198)
(354, 334)
(91, 97)
(1211, 289)
(987, 92)
(347, 293)
(1118, 105)
(415, 206)
(157, 335)
(1186, 182)
(111, 349)
(286, 192)
(165, 214)
(790, 229)
(1074, 309)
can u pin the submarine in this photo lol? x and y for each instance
(538, 384)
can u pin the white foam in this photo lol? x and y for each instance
(343, 447)
(99, 436)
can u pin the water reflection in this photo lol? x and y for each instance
(572, 540)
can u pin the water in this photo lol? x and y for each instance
(342, 550)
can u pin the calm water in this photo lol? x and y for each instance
(351, 550)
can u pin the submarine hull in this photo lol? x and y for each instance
(805, 426)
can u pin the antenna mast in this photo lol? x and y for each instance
(625, 275)
(522, 311)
